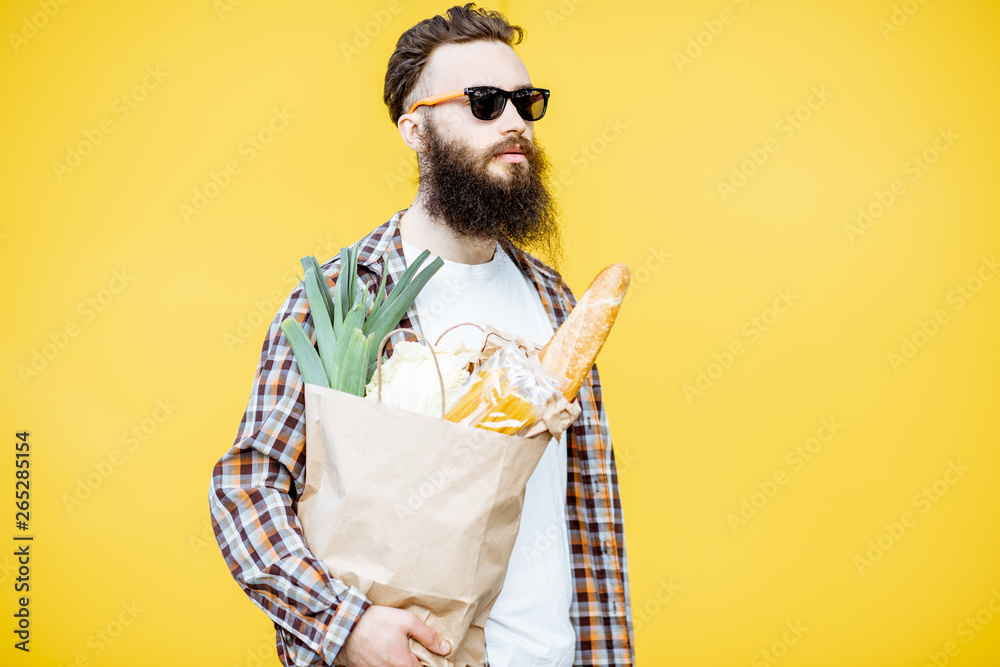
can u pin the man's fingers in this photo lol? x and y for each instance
(429, 638)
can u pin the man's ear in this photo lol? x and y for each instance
(410, 128)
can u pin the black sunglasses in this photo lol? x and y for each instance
(488, 102)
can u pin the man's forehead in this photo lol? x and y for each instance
(456, 66)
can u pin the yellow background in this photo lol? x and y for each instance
(185, 324)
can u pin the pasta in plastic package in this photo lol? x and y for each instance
(512, 392)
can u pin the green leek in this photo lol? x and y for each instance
(350, 324)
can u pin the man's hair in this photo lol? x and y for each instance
(404, 80)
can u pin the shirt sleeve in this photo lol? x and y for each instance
(254, 493)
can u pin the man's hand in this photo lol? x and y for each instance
(380, 638)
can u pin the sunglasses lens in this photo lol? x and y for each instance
(486, 103)
(530, 103)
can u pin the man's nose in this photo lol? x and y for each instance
(510, 121)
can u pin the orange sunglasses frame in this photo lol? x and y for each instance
(434, 99)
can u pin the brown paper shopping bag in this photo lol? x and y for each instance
(417, 512)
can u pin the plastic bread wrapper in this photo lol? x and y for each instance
(517, 359)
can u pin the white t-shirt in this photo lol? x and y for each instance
(529, 625)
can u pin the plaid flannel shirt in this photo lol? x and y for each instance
(256, 484)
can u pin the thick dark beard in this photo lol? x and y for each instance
(458, 189)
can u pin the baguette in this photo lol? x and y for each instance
(571, 351)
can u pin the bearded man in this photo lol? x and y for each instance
(462, 99)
